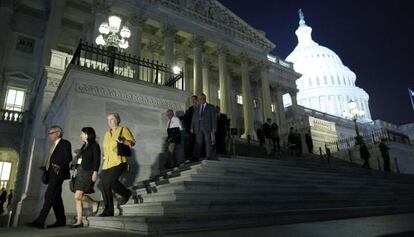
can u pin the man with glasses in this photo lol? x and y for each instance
(57, 168)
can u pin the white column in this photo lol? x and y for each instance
(197, 66)
(281, 110)
(136, 25)
(247, 98)
(265, 89)
(169, 34)
(295, 113)
(154, 47)
(206, 79)
(224, 85)
(181, 59)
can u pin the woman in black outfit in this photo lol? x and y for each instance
(88, 163)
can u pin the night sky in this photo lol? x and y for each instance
(375, 39)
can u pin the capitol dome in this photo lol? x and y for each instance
(326, 85)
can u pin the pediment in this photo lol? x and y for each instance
(214, 13)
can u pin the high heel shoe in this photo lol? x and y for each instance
(97, 209)
(77, 225)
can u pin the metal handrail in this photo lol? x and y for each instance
(115, 62)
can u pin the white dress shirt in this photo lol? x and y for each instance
(175, 123)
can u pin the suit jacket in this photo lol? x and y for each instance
(62, 156)
(222, 125)
(188, 117)
(267, 130)
(91, 157)
(205, 122)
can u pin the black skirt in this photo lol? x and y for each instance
(83, 181)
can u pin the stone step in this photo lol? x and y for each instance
(277, 169)
(185, 195)
(309, 165)
(210, 185)
(280, 176)
(167, 208)
(205, 221)
(220, 175)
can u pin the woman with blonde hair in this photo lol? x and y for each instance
(114, 163)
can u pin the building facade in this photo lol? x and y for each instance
(219, 54)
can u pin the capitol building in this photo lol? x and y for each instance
(326, 84)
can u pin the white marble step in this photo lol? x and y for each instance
(204, 221)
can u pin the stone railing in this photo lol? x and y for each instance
(11, 116)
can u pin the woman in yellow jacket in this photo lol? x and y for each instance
(114, 164)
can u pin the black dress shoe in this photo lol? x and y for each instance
(124, 200)
(56, 225)
(105, 214)
(77, 225)
(35, 224)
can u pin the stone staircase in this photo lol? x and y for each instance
(245, 192)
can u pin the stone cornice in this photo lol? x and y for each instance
(123, 95)
(214, 13)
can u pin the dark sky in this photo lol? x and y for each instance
(375, 39)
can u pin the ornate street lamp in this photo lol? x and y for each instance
(354, 113)
(112, 35)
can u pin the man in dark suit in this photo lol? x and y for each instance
(57, 167)
(204, 124)
(222, 131)
(267, 132)
(189, 151)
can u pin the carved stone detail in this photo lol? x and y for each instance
(154, 46)
(213, 13)
(128, 96)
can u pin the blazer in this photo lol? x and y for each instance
(91, 157)
(222, 124)
(205, 122)
(62, 156)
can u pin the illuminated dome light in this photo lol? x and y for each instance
(326, 84)
(114, 24)
(176, 70)
(123, 44)
(125, 32)
(100, 40)
(104, 28)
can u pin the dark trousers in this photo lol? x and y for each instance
(276, 144)
(221, 143)
(171, 159)
(203, 139)
(1, 207)
(110, 181)
(53, 199)
(386, 163)
(366, 164)
(190, 143)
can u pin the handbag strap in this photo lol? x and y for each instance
(110, 131)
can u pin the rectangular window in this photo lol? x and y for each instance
(255, 103)
(239, 99)
(5, 170)
(25, 44)
(218, 94)
(14, 99)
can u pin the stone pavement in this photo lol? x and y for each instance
(384, 226)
